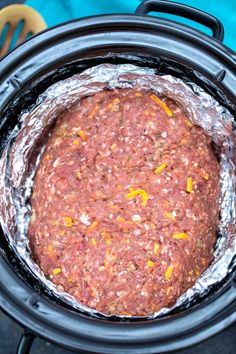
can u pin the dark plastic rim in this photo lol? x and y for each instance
(90, 37)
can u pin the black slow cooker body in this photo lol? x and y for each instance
(169, 48)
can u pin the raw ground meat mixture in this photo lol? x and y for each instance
(125, 203)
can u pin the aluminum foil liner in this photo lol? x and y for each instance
(21, 157)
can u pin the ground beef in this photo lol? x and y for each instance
(125, 203)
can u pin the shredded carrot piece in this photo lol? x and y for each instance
(125, 229)
(116, 100)
(113, 105)
(189, 187)
(68, 221)
(162, 105)
(62, 233)
(160, 168)
(93, 291)
(183, 141)
(168, 290)
(150, 124)
(67, 135)
(138, 94)
(113, 206)
(56, 271)
(78, 174)
(189, 123)
(205, 175)
(113, 146)
(76, 142)
(93, 241)
(169, 272)
(169, 215)
(92, 226)
(203, 260)
(150, 264)
(82, 135)
(137, 192)
(107, 237)
(55, 222)
(156, 248)
(153, 226)
(119, 187)
(106, 259)
(120, 219)
(50, 251)
(180, 236)
(197, 273)
(94, 111)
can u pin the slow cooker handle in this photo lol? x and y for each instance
(186, 11)
(25, 343)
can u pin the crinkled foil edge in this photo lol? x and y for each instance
(21, 157)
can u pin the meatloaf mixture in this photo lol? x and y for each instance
(125, 203)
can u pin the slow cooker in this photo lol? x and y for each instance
(169, 48)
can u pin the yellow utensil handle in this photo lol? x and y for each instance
(14, 13)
